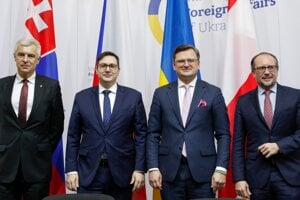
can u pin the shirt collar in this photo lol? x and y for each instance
(191, 84)
(30, 79)
(273, 89)
(112, 89)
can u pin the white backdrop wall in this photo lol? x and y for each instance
(128, 33)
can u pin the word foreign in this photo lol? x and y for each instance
(212, 11)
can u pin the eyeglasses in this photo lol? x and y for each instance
(262, 69)
(104, 66)
(189, 61)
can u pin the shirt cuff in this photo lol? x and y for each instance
(221, 170)
(153, 169)
(72, 173)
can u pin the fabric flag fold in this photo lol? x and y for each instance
(40, 25)
(177, 31)
(100, 40)
(241, 46)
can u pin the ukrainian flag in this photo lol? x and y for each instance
(177, 31)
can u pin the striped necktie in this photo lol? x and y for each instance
(268, 113)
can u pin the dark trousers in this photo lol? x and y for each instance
(20, 189)
(103, 183)
(184, 187)
(276, 189)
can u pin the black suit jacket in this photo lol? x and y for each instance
(31, 146)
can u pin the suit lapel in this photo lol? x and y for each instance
(255, 102)
(38, 94)
(174, 100)
(280, 102)
(96, 105)
(120, 95)
(199, 91)
(7, 94)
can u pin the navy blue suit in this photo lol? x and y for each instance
(88, 138)
(207, 120)
(251, 131)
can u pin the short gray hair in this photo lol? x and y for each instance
(28, 42)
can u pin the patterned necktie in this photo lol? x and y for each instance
(185, 111)
(106, 107)
(268, 113)
(23, 103)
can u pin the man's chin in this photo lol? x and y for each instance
(267, 85)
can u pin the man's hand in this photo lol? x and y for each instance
(218, 181)
(155, 179)
(138, 180)
(268, 149)
(72, 182)
(242, 189)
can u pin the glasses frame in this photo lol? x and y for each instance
(183, 61)
(111, 66)
(262, 69)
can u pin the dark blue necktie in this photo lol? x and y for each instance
(106, 107)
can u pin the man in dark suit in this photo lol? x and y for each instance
(29, 136)
(181, 155)
(106, 153)
(266, 145)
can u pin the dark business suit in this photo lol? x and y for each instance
(30, 148)
(207, 120)
(88, 138)
(251, 131)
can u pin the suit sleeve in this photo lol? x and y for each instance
(291, 142)
(73, 138)
(140, 134)
(238, 152)
(154, 132)
(222, 135)
(57, 117)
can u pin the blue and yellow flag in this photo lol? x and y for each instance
(177, 31)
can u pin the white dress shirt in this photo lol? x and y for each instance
(111, 95)
(261, 97)
(16, 92)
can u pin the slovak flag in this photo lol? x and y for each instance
(40, 26)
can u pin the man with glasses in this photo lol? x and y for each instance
(266, 144)
(186, 117)
(105, 150)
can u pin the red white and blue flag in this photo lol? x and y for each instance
(241, 46)
(40, 25)
(105, 26)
